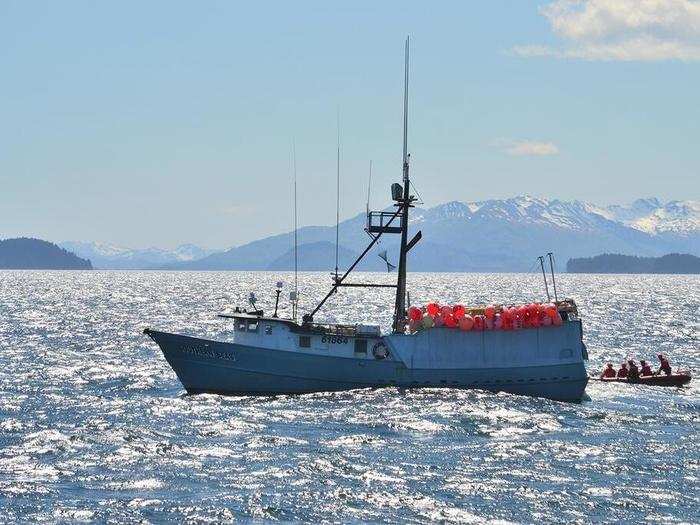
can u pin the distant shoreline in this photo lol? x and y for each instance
(26, 253)
(615, 263)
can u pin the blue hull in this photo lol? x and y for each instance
(229, 368)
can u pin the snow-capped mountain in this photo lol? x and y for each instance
(490, 235)
(498, 234)
(647, 215)
(655, 217)
(104, 255)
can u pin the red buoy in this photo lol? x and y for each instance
(466, 323)
(414, 314)
(449, 321)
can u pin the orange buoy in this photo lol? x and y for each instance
(433, 309)
(458, 311)
(466, 323)
(479, 321)
(446, 310)
(449, 321)
(557, 320)
(414, 314)
(490, 311)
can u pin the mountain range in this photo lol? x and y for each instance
(109, 256)
(490, 235)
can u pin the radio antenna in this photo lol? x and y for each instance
(337, 199)
(295, 300)
(369, 185)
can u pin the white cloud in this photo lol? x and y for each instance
(642, 30)
(527, 147)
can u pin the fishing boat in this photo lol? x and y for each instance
(675, 379)
(268, 354)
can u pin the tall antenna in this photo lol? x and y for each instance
(369, 185)
(554, 283)
(405, 119)
(544, 276)
(337, 199)
(295, 301)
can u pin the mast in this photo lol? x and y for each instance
(379, 223)
(400, 304)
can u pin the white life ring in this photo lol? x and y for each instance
(380, 350)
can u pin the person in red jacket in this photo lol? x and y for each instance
(622, 372)
(665, 365)
(645, 369)
(608, 372)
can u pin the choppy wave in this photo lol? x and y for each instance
(94, 426)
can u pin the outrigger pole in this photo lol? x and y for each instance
(544, 276)
(554, 283)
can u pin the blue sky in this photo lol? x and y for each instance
(159, 123)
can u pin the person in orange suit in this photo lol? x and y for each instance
(665, 365)
(622, 372)
(609, 372)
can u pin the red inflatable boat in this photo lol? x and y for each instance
(677, 379)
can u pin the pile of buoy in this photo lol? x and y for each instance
(491, 317)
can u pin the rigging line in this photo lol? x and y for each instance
(420, 199)
(337, 200)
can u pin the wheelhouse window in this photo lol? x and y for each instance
(247, 325)
(361, 346)
(304, 341)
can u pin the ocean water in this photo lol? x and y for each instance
(94, 425)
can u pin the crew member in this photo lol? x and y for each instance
(633, 371)
(665, 365)
(622, 372)
(646, 369)
(608, 372)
